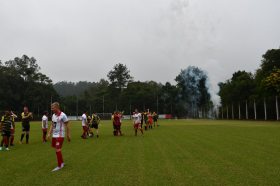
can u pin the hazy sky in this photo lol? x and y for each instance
(82, 39)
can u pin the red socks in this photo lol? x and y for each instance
(44, 137)
(59, 158)
(12, 140)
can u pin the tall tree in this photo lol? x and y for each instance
(22, 83)
(194, 92)
(120, 76)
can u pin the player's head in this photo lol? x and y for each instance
(55, 107)
(45, 113)
(25, 109)
(136, 110)
(7, 112)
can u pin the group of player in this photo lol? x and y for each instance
(60, 129)
(90, 123)
(139, 119)
(7, 127)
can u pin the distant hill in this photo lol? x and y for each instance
(65, 88)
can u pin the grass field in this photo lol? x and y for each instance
(182, 152)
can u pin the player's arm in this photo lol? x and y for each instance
(50, 131)
(44, 123)
(30, 115)
(23, 116)
(91, 120)
(1, 126)
(13, 123)
(14, 115)
(68, 131)
(1, 123)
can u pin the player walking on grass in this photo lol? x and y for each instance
(117, 124)
(150, 120)
(26, 117)
(95, 120)
(137, 122)
(84, 125)
(155, 118)
(45, 126)
(13, 130)
(7, 122)
(60, 123)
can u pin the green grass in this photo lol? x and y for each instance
(182, 152)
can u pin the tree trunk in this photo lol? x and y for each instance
(255, 109)
(247, 110)
(265, 112)
(227, 112)
(232, 111)
(277, 109)
(239, 111)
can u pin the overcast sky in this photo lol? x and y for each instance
(82, 39)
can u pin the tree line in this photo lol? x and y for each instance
(22, 84)
(253, 95)
(245, 96)
(120, 92)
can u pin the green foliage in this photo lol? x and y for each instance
(239, 88)
(65, 88)
(119, 77)
(123, 94)
(272, 82)
(22, 83)
(194, 92)
(263, 85)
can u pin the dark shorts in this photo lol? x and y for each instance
(95, 126)
(117, 127)
(57, 143)
(6, 133)
(26, 128)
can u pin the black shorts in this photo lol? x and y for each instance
(6, 133)
(117, 127)
(95, 126)
(25, 128)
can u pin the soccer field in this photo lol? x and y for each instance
(181, 152)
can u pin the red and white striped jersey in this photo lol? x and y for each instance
(58, 124)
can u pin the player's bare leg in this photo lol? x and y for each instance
(27, 137)
(97, 133)
(22, 136)
(142, 131)
(12, 138)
